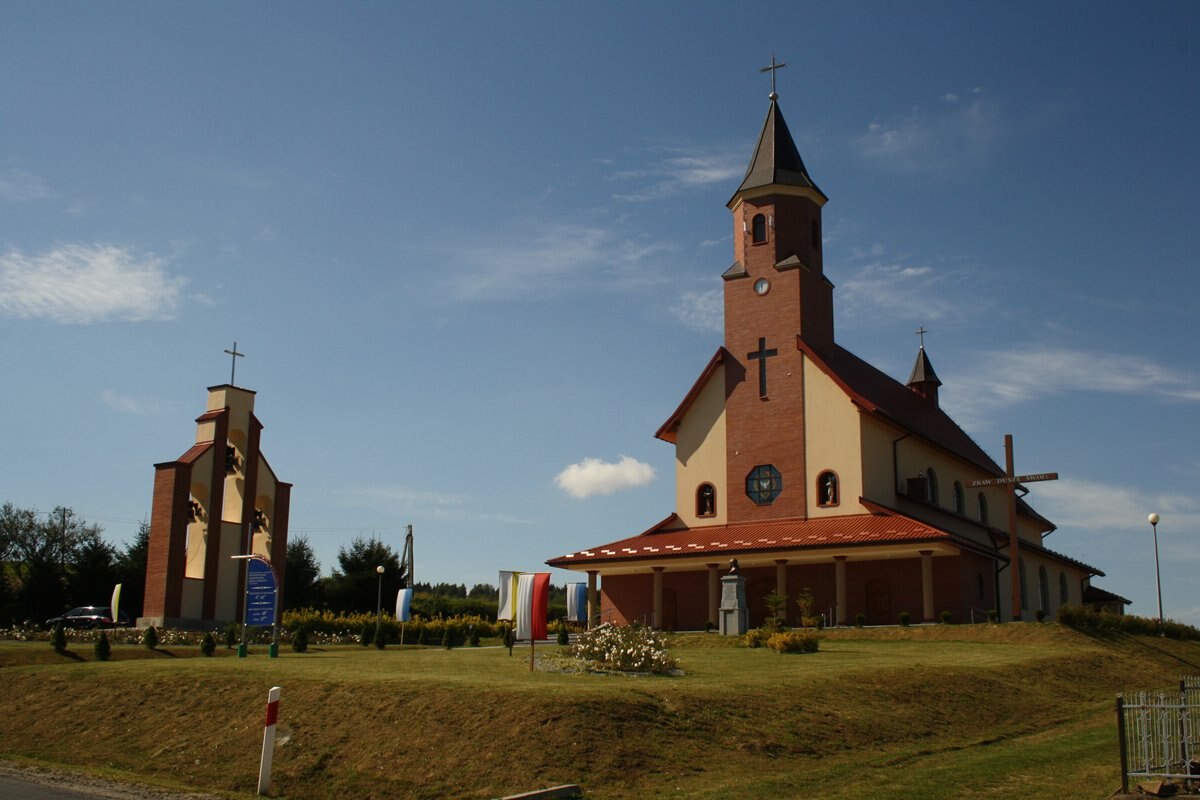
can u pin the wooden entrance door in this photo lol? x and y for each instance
(879, 602)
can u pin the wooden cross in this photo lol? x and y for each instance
(1011, 481)
(761, 355)
(772, 69)
(234, 355)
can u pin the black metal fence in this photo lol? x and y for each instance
(1159, 734)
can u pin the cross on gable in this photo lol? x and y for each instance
(771, 69)
(761, 355)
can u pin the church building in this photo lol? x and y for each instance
(218, 500)
(817, 472)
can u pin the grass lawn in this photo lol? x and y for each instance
(931, 712)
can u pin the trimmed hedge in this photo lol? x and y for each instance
(1089, 621)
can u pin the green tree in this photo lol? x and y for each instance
(92, 571)
(354, 586)
(301, 576)
(131, 571)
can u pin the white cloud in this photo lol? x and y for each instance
(683, 170)
(943, 140)
(130, 405)
(701, 311)
(898, 291)
(558, 258)
(87, 283)
(439, 505)
(19, 186)
(1014, 377)
(593, 476)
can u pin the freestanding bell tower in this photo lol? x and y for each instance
(219, 499)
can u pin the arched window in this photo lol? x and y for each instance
(983, 517)
(759, 228)
(828, 493)
(1043, 589)
(763, 484)
(931, 490)
(960, 499)
(1024, 594)
(1064, 596)
(706, 500)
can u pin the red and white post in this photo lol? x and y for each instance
(268, 751)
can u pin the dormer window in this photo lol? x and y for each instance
(827, 489)
(706, 501)
(758, 228)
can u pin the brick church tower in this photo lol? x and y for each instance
(219, 499)
(776, 296)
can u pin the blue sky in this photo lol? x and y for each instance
(472, 251)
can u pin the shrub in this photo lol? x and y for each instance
(947, 617)
(860, 619)
(904, 618)
(300, 640)
(449, 634)
(208, 645)
(564, 635)
(58, 639)
(807, 618)
(423, 636)
(231, 635)
(993, 616)
(102, 648)
(150, 638)
(1041, 615)
(1103, 622)
(473, 636)
(379, 637)
(757, 637)
(709, 627)
(794, 642)
(624, 648)
(366, 633)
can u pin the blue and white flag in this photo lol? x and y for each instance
(404, 605)
(577, 602)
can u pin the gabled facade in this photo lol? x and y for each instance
(813, 469)
(218, 500)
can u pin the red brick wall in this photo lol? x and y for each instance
(166, 557)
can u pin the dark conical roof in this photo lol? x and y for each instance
(776, 160)
(923, 370)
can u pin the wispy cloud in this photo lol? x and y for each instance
(557, 259)
(1099, 507)
(419, 502)
(942, 139)
(87, 284)
(1009, 378)
(680, 170)
(19, 186)
(593, 476)
(701, 311)
(895, 290)
(126, 404)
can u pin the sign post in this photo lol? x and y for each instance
(1010, 482)
(261, 597)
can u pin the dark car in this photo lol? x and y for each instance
(88, 617)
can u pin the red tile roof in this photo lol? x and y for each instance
(788, 534)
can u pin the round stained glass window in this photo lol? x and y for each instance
(763, 484)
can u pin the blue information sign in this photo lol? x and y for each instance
(260, 593)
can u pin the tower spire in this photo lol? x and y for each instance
(923, 380)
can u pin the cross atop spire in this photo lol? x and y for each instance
(921, 332)
(771, 69)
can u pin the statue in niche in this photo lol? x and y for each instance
(829, 491)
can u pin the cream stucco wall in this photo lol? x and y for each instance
(832, 442)
(700, 453)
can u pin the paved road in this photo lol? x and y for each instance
(20, 783)
(16, 789)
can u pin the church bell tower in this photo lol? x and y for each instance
(776, 296)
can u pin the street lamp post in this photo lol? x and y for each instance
(1153, 520)
(379, 603)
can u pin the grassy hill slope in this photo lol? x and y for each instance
(929, 712)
